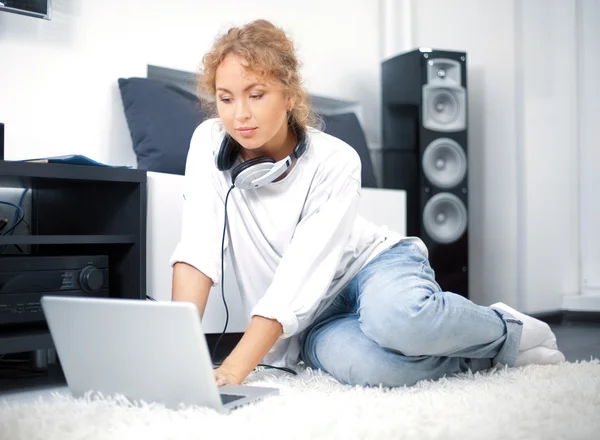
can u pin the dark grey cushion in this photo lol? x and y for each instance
(161, 119)
(347, 128)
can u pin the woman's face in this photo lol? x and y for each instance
(253, 110)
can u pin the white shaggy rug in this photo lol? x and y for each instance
(534, 402)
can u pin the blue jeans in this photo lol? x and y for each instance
(392, 325)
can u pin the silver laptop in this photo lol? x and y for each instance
(143, 350)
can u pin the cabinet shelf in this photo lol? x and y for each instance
(20, 174)
(25, 340)
(76, 210)
(68, 239)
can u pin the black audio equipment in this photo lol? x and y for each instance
(424, 152)
(25, 279)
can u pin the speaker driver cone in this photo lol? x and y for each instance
(444, 163)
(445, 218)
(442, 106)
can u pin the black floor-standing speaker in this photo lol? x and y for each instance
(424, 152)
(1, 141)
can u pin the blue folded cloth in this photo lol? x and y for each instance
(74, 159)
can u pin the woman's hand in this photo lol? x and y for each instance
(259, 337)
(225, 377)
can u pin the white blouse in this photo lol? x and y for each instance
(294, 243)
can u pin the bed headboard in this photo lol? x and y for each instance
(179, 78)
(323, 105)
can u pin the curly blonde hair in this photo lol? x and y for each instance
(268, 52)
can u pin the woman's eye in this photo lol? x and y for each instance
(256, 96)
(226, 100)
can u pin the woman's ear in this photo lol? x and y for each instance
(290, 103)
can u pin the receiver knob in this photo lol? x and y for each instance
(91, 279)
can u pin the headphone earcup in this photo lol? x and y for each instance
(249, 164)
(227, 154)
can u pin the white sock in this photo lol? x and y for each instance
(550, 342)
(535, 332)
(540, 356)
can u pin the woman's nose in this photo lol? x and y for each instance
(242, 110)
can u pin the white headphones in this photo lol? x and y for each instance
(258, 171)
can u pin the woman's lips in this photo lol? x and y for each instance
(246, 132)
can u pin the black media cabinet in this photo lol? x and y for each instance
(79, 210)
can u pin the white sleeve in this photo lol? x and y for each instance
(203, 208)
(309, 264)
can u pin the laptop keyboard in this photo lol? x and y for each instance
(228, 398)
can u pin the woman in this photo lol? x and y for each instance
(321, 284)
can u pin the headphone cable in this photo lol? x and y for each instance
(222, 274)
(287, 370)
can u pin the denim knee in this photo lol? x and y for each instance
(403, 321)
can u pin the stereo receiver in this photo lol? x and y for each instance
(25, 279)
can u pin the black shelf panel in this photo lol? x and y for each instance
(68, 239)
(26, 340)
(19, 174)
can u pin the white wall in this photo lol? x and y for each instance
(58, 91)
(589, 112)
(547, 146)
(522, 139)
